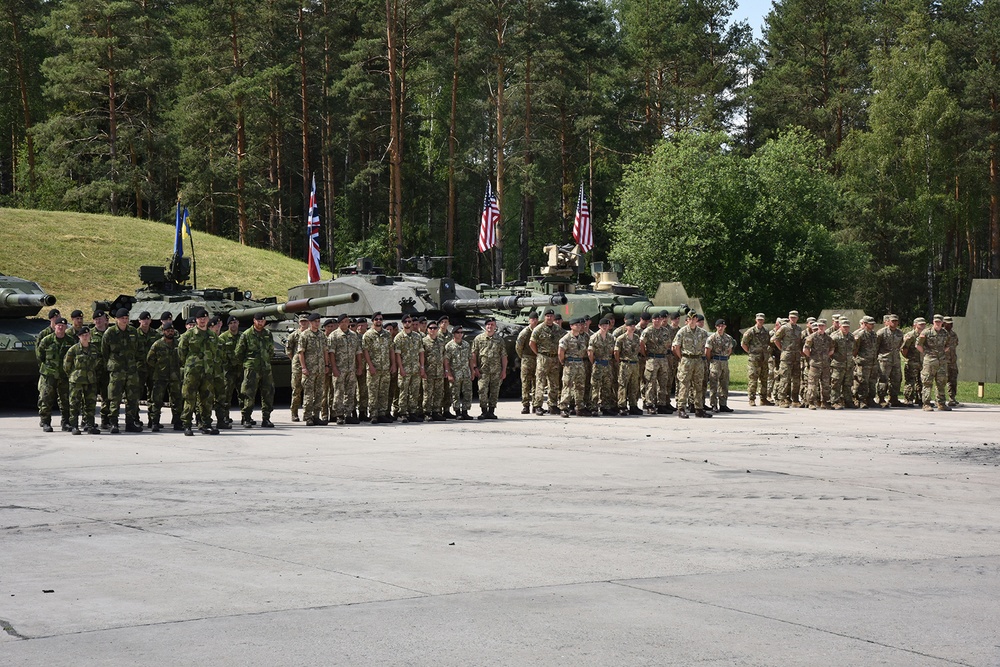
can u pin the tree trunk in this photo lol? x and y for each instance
(501, 62)
(306, 185)
(22, 83)
(395, 157)
(994, 194)
(452, 141)
(112, 121)
(326, 142)
(241, 134)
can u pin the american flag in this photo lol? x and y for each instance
(488, 225)
(583, 233)
(312, 227)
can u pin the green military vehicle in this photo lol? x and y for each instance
(20, 301)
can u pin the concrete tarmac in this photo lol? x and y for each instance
(764, 537)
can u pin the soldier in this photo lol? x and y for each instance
(627, 355)
(489, 364)
(164, 365)
(890, 339)
(788, 340)
(601, 351)
(585, 330)
(719, 347)
(147, 336)
(76, 324)
(408, 345)
(222, 362)
(381, 363)
(54, 316)
(393, 331)
(97, 339)
(120, 348)
(653, 346)
(914, 364)
(529, 362)
(311, 349)
(755, 342)
(774, 361)
(232, 366)
(544, 342)
(326, 404)
(444, 333)
(53, 383)
(689, 348)
(198, 351)
(253, 352)
(360, 328)
(703, 332)
(345, 350)
(80, 365)
(819, 348)
(458, 369)
(433, 345)
(671, 326)
(842, 366)
(949, 324)
(865, 353)
(933, 345)
(572, 349)
(291, 349)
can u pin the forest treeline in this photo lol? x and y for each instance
(850, 154)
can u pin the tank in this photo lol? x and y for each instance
(20, 300)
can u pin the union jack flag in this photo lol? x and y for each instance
(312, 228)
(488, 223)
(583, 233)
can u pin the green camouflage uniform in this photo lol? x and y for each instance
(914, 364)
(292, 350)
(890, 366)
(378, 345)
(461, 388)
(718, 378)
(820, 371)
(253, 352)
(529, 365)
(790, 366)
(146, 340)
(53, 384)
(657, 393)
(691, 370)
(602, 394)
(865, 349)
(628, 371)
(490, 352)
(546, 338)
(164, 366)
(233, 368)
(120, 348)
(408, 346)
(312, 346)
(97, 340)
(198, 351)
(81, 365)
(344, 347)
(434, 402)
(935, 370)
(757, 339)
(574, 378)
(842, 369)
(952, 367)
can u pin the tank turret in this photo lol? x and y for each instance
(297, 306)
(20, 299)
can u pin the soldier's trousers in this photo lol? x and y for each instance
(789, 376)
(312, 395)
(378, 394)
(433, 395)
(158, 394)
(529, 367)
(690, 380)
(672, 365)
(757, 372)
(362, 397)
(952, 381)
(602, 394)
(327, 401)
(547, 381)
(934, 374)
(124, 384)
(574, 384)
(102, 392)
(461, 394)
(409, 393)
(345, 393)
(718, 382)
(221, 404)
(82, 402)
(820, 379)
(914, 387)
(254, 381)
(445, 395)
(890, 377)
(198, 391)
(489, 389)
(864, 382)
(841, 381)
(657, 390)
(394, 392)
(772, 378)
(53, 391)
(628, 384)
(296, 386)
(588, 372)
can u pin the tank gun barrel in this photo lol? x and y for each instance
(296, 306)
(637, 309)
(17, 299)
(503, 303)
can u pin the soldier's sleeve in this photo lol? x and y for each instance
(69, 360)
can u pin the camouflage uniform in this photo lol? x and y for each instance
(574, 377)
(757, 341)
(146, 340)
(691, 370)
(434, 369)
(842, 369)
(461, 388)
(120, 348)
(773, 363)
(657, 393)
(312, 346)
(198, 351)
(529, 366)
(672, 361)
(789, 368)
(233, 368)
(952, 367)
(718, 383)
(53, 384)
(164, 367)
(546, 338)
(292, 350)
(96, 339)
(408, 348)
(911, 371)
(890, 368)
(490, 352)
(602, 393)
(819, 345)
(253, 352)
(81, 365)
(628, 372)
(865, 349)
(935, 370)
(378, 345)
(344, 347)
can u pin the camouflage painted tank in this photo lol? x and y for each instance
(20, 300)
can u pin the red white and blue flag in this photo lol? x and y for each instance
(490, 217)
(583, 233)
(312, 227)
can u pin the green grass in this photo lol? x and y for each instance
(81, 258)
(966, 390)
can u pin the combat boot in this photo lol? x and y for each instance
(943, 406)
(353, 419)
(623, 412)
(75, 430)
(635, 410)
(155, 427)
(295, 415)
(928, 407)
(341, 420)
(246, 423)
(565, 413)
(702, 413)
(539, 411)
(725, 408)
(466, 416)
(93, 430)
(65, 426)
(525, 409)
(114, 428)
(764, 401)
(178, 426)
(753, 403)
(491, 414)
(188, 431)
(682, 413)
(266, 423)
(226, 424)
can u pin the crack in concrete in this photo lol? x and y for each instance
(9, 629)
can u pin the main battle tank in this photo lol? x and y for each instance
(20, 300)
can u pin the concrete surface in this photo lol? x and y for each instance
(765, 537)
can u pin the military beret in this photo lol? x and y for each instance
(444, 318)
(720, 321)
(54, 313)
(144, 315)
(630, 320)
(330, 322)
(489, 319)
(605, 320)
(675, 315)
(166, 316)
(121, 312)
(259, 316)
(759, 316)
(576, 320)
(233, 318)
(190, 321)
(61, 320)
(549, 311)
(377, 313)
(699, 317)
(215, 320)
(457, 330)
(939, 318)
(821, 321)
(658, 315)
(919, 320)
(421, 319)
(200, 312)
(76, 313)
(342, 317)
(169, 324)
(948, 319)
(793, 313)
(645, 316)
(586, 317)
(98, 313)
(894, 318)
(559, 317)
(533, 315)
(84, 330)
(314, 317)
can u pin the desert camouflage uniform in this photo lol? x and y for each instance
(198, 352)
(672, 361)
(164, 366)
(865, 350)
(490, 352)
(952, 367)
(81, 365)
(628, 371)
(757, 339)
(546, 338)
(890, 368)
(718, 382)
(461, 388)
(434, 370)
(602, 390)
(773, 363)
(53, 384)
(408, 348)
(820, 371)
(574, 376)
(344, 347)
(378, 345)
(935, 370)
(529, 365)
(120, 349)
(657, 367)
(312, 346)
(253, 352)
(789, 368)
(842, 369)
(691, 370)
(292, 350)
(913, 389)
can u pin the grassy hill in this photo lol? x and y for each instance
(81, 258)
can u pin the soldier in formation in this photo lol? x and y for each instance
(253, 353)
(718, 348)
(489, 365)
(164, 364)
(80, 365)
(458, 370)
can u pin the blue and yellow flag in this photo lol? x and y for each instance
(178, 239)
